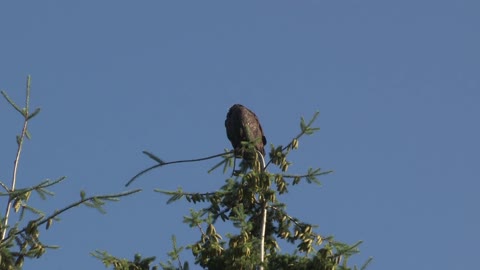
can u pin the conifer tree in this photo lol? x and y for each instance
(250, 200)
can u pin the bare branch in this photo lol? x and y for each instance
(161, 163)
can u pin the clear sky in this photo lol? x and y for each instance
(397, 84)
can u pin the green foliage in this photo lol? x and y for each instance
(20, 239)
(138, 262)
(174, 256)
(249, 201)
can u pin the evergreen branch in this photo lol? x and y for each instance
(162, 163)
(344, 249)
(364, 266)
(189, 196)
(138, 262)
(108, 259)
(20, 140)
(198, 197)
(39, 188)
(305, 175)
(37, 110)
(303, 226)
(9, 100)
(83, 200)
(227, 161)
(4, 186)
(304, 129)
(175, 253)
(310, 176)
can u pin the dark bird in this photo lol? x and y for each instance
(242, 125)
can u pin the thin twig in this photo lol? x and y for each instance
(17, 159)
(179, 262)
(4, 186)
(172, 162)
(201, 230)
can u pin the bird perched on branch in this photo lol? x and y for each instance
(242, 125)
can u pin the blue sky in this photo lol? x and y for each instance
(396, 83)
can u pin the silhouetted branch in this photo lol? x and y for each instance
(162, 163)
